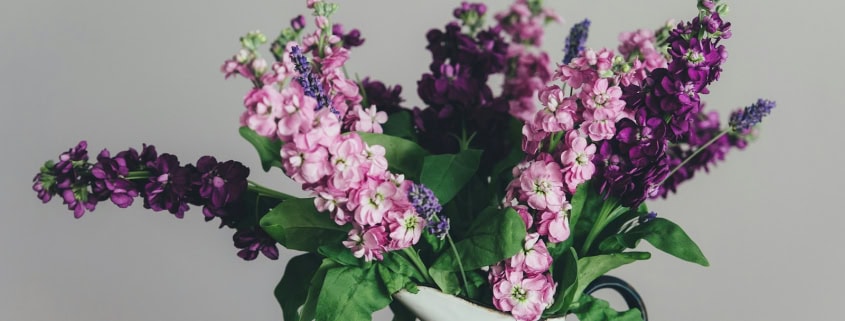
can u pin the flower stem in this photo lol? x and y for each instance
(607, 214)
(415, 258)
(460, 265)
(695, 153)
(137, 175)
(253, 186)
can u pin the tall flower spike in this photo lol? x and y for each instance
(309, 81)
(743, 119)
(576, 40)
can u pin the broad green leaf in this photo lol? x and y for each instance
(269, 150)
(566, 273)
(340, 254)
(494, 236)
(446, 281)
(309, 308)
(594, 309)
(292, 290)
(668, 237)
(590, 268)
(399, 264)
(586, 205)
(400, 124)
(446, 174)
(297, 225)
(351, 294)
(403, 156)
(392, 281)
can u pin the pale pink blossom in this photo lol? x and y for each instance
(524, 296)
(264, 106)
(297, 112)
(405, 228)
(372, 201)
(347, 159)
(600, 95)
(368, 243)
(600, 124)
(525, 215)
(555, 225)
(534, 257)
(542, 186)
(335, 205)
(577, 161)
(369, 120)
(377, 163)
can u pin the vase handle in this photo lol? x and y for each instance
(632, 298)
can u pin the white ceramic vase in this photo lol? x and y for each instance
(432, 305)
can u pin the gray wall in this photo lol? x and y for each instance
(119, 73)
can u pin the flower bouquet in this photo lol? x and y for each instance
(517, 198)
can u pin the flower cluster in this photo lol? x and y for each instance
(427, 205)
(321, 151)
(161, 182)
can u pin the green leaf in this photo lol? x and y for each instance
(400, 124)
(668, 237)
(340, 254)
(269, 150)
(566, 273)
(297, 225)
(403, 156)
(494, 236)
(309, 308)
(446, 281)
(590, 268)
(351, 294)
(594, 309)
(392, 281)
(292, 290)
(446, 174)
(401, 265)
(586, 206)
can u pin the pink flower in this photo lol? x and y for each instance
(369, 120)
(347, 158)
(542, 186)
(298, 112)
(600, 124)
(324, 131)
(577, 161)
(335, 60)
(526, 216)
(598, 95)
(534, 257)
(524, 296)
(555, 225)
(374, 156)
(326, 202)
(264, 106)
(405, 228)
(372, 201)
(367, 243)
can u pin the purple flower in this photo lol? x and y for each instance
(744, 119)
(72, 181)
(428, 206)
(576, 40)
(350, 40)
(169, 185)
(387, 99)
(309, 81)
(109, 177)
(254, 240)
(221, 184)
(298, 23)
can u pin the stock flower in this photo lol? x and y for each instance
(367, 243)
(349, 40)
(524, 296)
(555, 225)
(220, 184)
(542, 186)
(108, 179)
(373, 201)
(405, 228)
(370, 120)
(577, 161)
(264, 108)
(386, 99)
(254, 240)
(169, 185)
(534, 257)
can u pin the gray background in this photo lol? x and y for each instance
(119, 73)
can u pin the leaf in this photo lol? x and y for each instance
(446, 174)
(392, 281)
(403, 156)
(494, 236)
(590, 268)
(594, 309)
(446, 281)
(668, 237)
(351, 294)
(292, 290)
(586, 205)
(340, 254)
(400, 124)
(269, 150)
(309, 308)
(297, 225)
(566, 273)
(401, 265)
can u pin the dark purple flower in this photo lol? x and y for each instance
(350, 40)
(169, 185)
(109, 178)
(387, 99)
(576, 40)
(254, 240)
(221, 184)
(298, 23)
(439, 227)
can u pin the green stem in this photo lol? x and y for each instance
(415, 258)
(137, 175)
(695, 153)
(605, 217)
(460, 265)
(253, 186)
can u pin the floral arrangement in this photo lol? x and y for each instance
(516, 198)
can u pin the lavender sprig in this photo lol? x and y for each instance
(309, 82)
(743, 119)
(576, 40)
